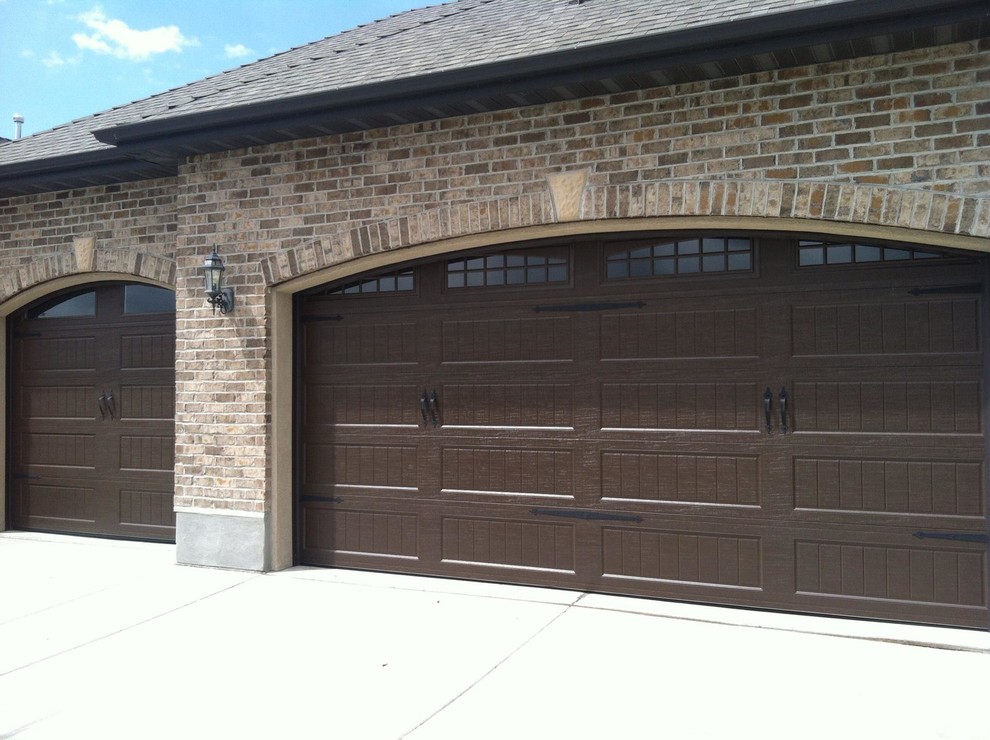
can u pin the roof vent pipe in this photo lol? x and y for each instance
(18, 122)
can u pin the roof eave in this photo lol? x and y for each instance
(841, 21)
(153, 147)
(105, 166)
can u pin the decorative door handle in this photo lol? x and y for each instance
(768, 408)
(102, 402)
(110, 406)
(434, 408)
(424, 401)
(783, 410)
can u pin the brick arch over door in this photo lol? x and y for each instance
(898, 214)
(107, 265)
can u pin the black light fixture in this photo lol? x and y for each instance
(217, 295)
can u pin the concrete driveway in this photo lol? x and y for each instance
(102, 639)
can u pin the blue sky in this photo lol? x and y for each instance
(65, 59)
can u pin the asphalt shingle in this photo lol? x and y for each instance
(455, 35)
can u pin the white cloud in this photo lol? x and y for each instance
(112, 36)
(54, 59)
(237, 51)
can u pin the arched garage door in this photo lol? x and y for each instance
(783, 424)
(92, 413)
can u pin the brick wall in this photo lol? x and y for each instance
(127, 222)
(916, 122)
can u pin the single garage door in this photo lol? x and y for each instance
(774, 423)
(92, 409)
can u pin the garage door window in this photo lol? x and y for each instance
(681, 257)
(64, 307)
(509, 269)
(818, 253)
(148, 299)
(402, 281)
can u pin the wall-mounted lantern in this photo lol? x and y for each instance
(217, 295)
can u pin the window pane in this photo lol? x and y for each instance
(81, 304)
(475, 279)
(739, 245)
(688, 264)
(618, 269)
(405, 281)
(713, 245)
(740, 261)
(839, 255)
(664, 250)
(690, 247)
(148, 299)
(516, 276)
(496, 277)
(896, 254)
(639, 268)
(665, 266)
(811, 256)
(714, 263)
(558, 274)
(455, 279)
(865, 253)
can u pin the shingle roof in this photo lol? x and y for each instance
(456, 37)
(459, 35)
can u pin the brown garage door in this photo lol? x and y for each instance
(723, 419)
(93, 413)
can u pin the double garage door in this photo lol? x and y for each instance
(791, 425)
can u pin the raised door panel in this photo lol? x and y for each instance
(148, 351)
(499, 543)
(353, 342)
(367, 405)
(945, 329)
(680, 335)
(684, 556)
(508, 405)
(916, 486)
(688, 406)
(510, 339)
(889, 407)
(677, 477)
(333, 533)
(518, 471)
(39, 356)
(871, 572)
(54, 505)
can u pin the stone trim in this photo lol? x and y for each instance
(116, 261)
(931, 213)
